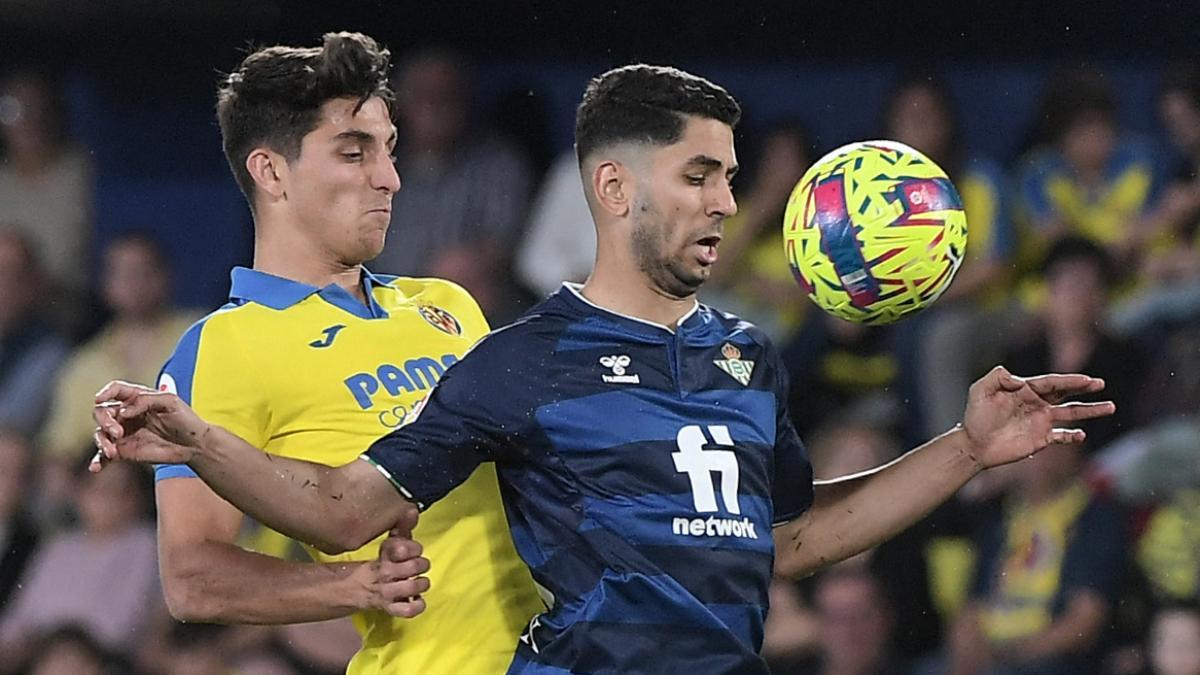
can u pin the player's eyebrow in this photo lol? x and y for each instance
(713, 164)
(364, 136)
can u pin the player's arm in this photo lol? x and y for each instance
(1007, 418)
(208, 578)
(336, 509)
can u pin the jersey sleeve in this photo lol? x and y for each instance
(469, 418)
(209, 371)
(792, 487)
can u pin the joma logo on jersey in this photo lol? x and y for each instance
(417, 374)
(700, 464)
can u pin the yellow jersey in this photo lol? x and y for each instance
(315, 374)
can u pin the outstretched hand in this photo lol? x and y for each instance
(1009, 418)
(136, 423)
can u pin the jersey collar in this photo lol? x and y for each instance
(249, 285)
(572, 293)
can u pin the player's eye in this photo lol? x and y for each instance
(695, 180)
(352, 156)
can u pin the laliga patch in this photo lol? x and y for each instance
(440, 319)
(734, 365)
(167, 383)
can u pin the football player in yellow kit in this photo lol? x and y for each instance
(314, 357)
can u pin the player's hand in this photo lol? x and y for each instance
(139, 424)
(1009, 418)
(400, 571)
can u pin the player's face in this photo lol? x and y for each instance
(682, 200)
(341, 187)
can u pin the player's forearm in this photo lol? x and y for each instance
(215, 582)
(310, 502)
(852, 514)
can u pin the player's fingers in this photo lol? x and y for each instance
(119, 390)
(105, 417)
(1075, 411)
(146, 402)
(1066, 436)
(105, 450)
(404, 589)
(399, 549)
(395, 571)
(406, 609)
(1058, 386)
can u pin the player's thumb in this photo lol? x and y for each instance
(404, 526)
(1006, 380)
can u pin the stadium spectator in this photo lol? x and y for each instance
(18, 536)
(465, 193)
(45, 181)
(844, 447)
(1083, 176)
(72, 651)
(1168, 552)
(1070, 334)
(845, 369)
(135, 284)
(854, 627)
(963, 333)
(753, 280)
(31, 350)
(1174, 644)
(560, 240)
(1170, 272)
(1049, 569)
(102, 575)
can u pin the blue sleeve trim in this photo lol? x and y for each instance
(165, 471)
(177, 374)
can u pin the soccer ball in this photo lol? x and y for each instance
(874, 231)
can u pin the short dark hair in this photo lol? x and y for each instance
(274, 97)
(1071, 96)
(1073, 248)
(648, 104)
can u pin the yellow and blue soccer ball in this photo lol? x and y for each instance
(874, 231)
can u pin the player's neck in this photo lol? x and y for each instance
(632, 294)
(298, 261)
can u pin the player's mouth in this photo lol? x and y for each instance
(707, 249)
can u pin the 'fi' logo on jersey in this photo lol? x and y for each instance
(733, 364)
(440, 319)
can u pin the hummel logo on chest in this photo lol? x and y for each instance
(618, 364)
(328, 335)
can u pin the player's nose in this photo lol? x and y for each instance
(385, 176)
(722, 202)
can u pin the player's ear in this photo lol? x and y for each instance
(612, 187)
(269, 171)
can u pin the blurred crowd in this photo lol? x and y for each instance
(1083, 255)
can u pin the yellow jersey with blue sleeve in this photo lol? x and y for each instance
(315, 374)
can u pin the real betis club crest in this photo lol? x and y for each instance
(733, 364)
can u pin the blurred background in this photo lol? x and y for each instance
(1072, 131)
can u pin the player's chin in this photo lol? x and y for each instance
(371, 242)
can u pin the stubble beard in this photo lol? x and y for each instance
(667, 272)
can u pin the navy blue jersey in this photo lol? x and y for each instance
(642, 471)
